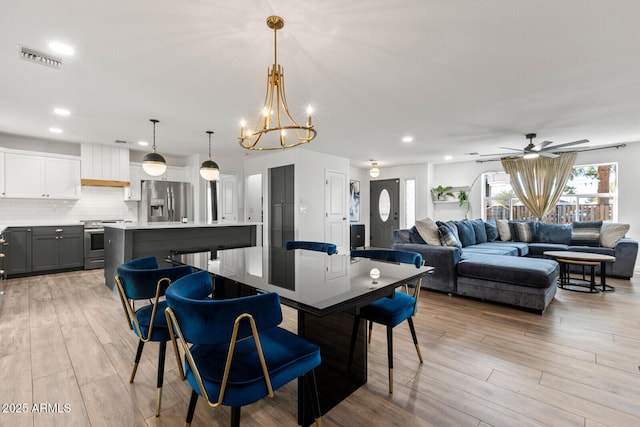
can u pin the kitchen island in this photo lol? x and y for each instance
(126, 241)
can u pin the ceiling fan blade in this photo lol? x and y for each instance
(548, 154)
(566, 144)
(542, 145)
(496, 155)
(509, 148)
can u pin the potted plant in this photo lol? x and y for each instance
(463, 201)
(442, 192)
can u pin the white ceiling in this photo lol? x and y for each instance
(458, 75)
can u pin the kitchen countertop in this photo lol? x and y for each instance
(160, 225)
(41, 224)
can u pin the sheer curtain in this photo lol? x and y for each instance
(539, 182)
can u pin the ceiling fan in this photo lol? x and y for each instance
(531, 151)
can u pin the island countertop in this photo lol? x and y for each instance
(167, 225)
(131, 240)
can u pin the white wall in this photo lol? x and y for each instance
(309, 190)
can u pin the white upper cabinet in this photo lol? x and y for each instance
(40, 176)
(133, 191)
(105, 162)
(173, 173)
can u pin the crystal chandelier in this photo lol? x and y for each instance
(275, 116)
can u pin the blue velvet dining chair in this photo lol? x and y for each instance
(233, 350)
(329, 248)
(141, 279)
(389, 311)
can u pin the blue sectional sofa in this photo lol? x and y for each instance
(508, 266)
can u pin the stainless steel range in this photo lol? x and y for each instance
(94, 242)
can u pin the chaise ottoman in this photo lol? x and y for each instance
(529, 283)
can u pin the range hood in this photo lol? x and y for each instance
(103, 183)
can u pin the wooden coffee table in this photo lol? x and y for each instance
(586, 259)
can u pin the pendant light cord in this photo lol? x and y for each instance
(154, 121)
(210, 132)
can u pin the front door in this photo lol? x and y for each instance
(384, 208)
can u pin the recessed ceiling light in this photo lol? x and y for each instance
(61, 111)
(447, 157)
(407, 139)
(61, 48)
(143, 143)
(55, 130)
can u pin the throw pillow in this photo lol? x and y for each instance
(586, 233)
(415, 237)
(479, 230)
(503, 229)
(448, 237)
(465, 233)
(428, 230)
(611, 232)
(491, 229)
(553, 233)
(521, 231)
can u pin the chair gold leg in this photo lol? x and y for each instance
(133, 372)
(158, 401)
(419, 353)
(319, 422)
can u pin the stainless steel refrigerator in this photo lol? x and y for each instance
(166, 201)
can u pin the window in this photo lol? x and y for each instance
(590, 195)
(409, 203)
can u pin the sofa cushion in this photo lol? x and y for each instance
(428, 230)
(521, 247)
(504, 232)
(553, 233)
(448, 237)
(466, 233)
(586, 233)
(521, 231)
(491, 229)
(482, 248)
(538, 249)
(479, 230)
(531, 272)
(611, 232)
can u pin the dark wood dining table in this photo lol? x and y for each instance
(326, 290)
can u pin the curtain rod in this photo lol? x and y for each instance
(604, 147)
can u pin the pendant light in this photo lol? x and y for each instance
(374, 172)
(209, 169)
(153, 163)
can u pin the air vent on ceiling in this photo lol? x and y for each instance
(39, 57)
(120, 141)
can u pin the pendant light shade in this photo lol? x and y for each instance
(374, 172)
(209, 169)
(153, 163)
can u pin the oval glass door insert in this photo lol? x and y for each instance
(384, 205)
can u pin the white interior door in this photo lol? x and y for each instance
(228, 197)
(336, 210)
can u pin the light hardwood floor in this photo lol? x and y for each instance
(64, 340)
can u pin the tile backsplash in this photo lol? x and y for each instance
(94, 203)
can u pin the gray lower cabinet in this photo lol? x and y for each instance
(57, 248)
(17, 250)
